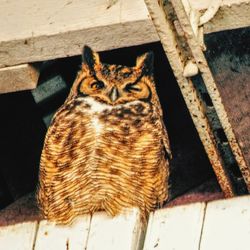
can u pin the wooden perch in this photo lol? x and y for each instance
(44, 30)
(17, 78)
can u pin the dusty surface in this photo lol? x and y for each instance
(207, 191)
(23, 210)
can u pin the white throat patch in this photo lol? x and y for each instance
(96, 107)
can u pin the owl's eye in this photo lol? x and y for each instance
(131, 88)
(97, 85)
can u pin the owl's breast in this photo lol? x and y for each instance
(128, 133)
(97, 156)
(130, 117)
(92, 130)
(128, 150)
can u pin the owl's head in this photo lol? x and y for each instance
(115, 84)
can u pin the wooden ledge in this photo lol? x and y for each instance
(42, 30)
(17, 78)
(221, 224)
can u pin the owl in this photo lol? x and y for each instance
(107, 147)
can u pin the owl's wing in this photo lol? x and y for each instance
(166, 140)
(163, 127)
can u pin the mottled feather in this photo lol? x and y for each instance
(106, 146)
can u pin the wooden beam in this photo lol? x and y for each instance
(226, 225)
(21, 228)
(222, 224)
(125, 231)
(175, 228)
(17, 78)
(60, 29)
(51, 236)
(19, 236)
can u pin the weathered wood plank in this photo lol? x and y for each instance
(60, 29)
(17, 78)
(19, 236)
(175, 228)
(123, 232)
(226, 225)
(232, 14)
(52, 236)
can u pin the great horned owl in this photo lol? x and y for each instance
(106, 147)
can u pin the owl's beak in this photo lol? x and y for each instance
(114, 94)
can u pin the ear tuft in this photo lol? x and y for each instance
(90, 57)
(146, 63)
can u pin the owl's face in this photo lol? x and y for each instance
(114, 84)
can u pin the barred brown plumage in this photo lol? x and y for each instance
(106, 146)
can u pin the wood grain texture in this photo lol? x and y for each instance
(17, 78)
(19, 236)
(124, 232)
(175, 228)
(221, 224)
(226, 225)
(60, 29)
(74, 236)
